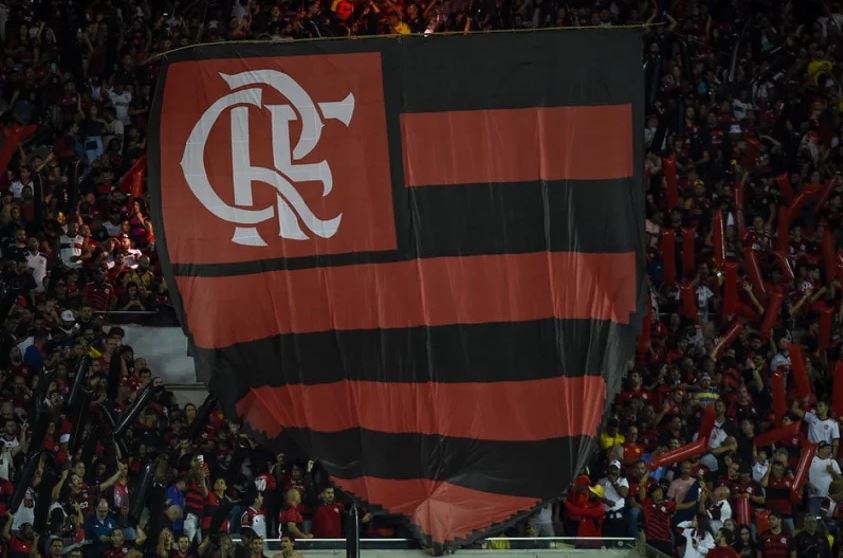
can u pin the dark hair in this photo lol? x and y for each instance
(727, 535)
(117, 332)
(703, 524)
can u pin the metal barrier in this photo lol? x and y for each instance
(491, 543)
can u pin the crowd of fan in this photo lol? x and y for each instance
(737, 90)
(744, 102)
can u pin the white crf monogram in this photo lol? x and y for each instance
(295, 218)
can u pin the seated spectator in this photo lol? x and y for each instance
(615, 490)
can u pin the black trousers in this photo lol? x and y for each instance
(614, 525)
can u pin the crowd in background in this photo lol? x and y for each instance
(744, 206)
(743, 128)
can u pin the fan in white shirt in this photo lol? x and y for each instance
(821, 427)
(698, 539)
(823, 471)
(121, 99)
(37, 264)
(16, 187)
(70, 247)
(719, 510)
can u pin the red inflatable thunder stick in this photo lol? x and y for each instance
(754, 272)
(826, 317)
(670, 182)
(730, 288)
(772, 313)
(646, 327)
(718, 238)
(777, 435)
(729, 338)
(801, 475)
(688, 451)
(783, 180)
(798, 203)
(800, 374)
(742, 513)
(688, 296)
(827, 189)
(707, 422)
(739, 192)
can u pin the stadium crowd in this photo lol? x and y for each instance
(725, 440)
(744, 207)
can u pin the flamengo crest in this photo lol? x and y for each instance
(292, 210)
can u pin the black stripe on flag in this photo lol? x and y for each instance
(457, 353)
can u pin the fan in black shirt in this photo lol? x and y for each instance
(811, 541)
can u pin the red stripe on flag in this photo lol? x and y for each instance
(222, 311)
(573, 406)
(442, 510)
(517, 145)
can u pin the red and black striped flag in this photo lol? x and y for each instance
(418, 259)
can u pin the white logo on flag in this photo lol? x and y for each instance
(295, 218)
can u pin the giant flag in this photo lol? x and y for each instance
(418, 259)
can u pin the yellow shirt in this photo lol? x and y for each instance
(401, 28)
(607, 441)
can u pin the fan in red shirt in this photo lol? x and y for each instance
(632, 449)
(295, 479)
(578, 497)
(290, 519)
(253, 516)
(591, 515)
(20, 545)
(212, 504)
(775, 543)
(6, 491)
(657, 515)
(636, 390)
(724, 549)
(778, 486)
(327, 519)
(119, 548)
